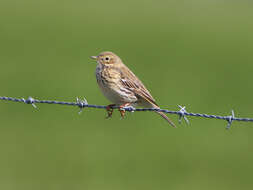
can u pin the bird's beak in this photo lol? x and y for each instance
(94, 57)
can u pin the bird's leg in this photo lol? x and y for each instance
(122, 112)
(109, 110)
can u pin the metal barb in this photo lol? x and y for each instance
(230, 119)
(182, 115)
(29, 100)
(128, 108)
(81, 104)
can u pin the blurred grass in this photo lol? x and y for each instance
(194, 53)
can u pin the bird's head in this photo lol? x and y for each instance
(107, 58)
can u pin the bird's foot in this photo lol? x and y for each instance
(122, 111)
(109, 110)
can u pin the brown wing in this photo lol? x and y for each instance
(132, 83)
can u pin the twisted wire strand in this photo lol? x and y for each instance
(182, 113)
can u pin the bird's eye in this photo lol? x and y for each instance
(107, 58)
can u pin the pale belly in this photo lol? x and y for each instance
(114, 92)
(116, 95)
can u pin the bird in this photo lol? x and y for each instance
(121, 86)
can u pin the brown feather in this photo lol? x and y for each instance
(140, 90)
(166, 118)
(133, 83)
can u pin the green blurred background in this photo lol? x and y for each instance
(192, 53)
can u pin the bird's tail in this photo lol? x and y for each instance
(167, 119)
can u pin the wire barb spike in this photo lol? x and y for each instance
(129, 108)
(230, 119)
(30, 100)
(182, 112)
(81, 104)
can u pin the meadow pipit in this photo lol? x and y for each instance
(119, 84)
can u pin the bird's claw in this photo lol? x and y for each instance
(122, 110)
(122, 113)
(109, 110)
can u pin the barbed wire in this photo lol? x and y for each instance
(83, 103)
